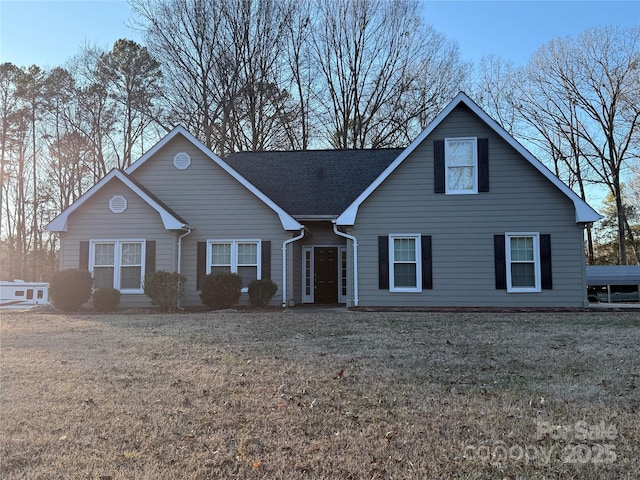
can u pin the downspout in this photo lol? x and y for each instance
(355, 261)
(188, 232)
(284, 265)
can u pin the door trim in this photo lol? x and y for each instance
(308, 272)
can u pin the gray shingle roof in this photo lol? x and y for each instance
(313, 182)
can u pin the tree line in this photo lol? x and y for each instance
(289, 75)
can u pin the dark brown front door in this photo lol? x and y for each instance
(326, 274)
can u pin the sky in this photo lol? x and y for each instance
(49, 32)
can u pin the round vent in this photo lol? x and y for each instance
(182, 161)
(118, 204)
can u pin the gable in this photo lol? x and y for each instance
(170, 220)
(583, 212)
(163, 169)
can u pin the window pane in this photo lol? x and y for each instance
(248, 274)
(220, 269)
(460, 178)
(130, 277)
(460, 153)
(221, 254)
(247, 254)
(131, 254)
(102, 277)
(522, 249)
(104, 253)
(404, 275)
(404, 249)
(523, 275)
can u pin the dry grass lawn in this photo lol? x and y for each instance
(320, 395)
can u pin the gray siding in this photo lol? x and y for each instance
(215, 204)
(94, 221)
(462, 226)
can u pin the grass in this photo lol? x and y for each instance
(320, 395)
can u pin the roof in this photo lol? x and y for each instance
(313, 183)
(288, 222)
(613, 275)
(584, 213)
(170, 219)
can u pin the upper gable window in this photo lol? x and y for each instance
(461, 165)
(182, 161)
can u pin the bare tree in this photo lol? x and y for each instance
(132, 77)
(590, 89)
(382, 70)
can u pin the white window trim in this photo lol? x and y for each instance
(418, 238)
(234, 255)
(307, 298)
(536, 261)
(117, 259)
(473, 190)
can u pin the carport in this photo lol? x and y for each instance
(613, 283)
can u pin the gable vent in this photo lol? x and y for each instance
(182, 161)
(118, 204)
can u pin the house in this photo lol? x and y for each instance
(464, 216)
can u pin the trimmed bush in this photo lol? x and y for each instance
(106, 299)
(261, 292)
(165, 289)
(221, 290)
(69, 289)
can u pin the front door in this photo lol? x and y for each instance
(325, 267)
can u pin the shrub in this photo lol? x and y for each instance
(261, 292)
(69, 289)
(106, 299)
(221, 290)
(165, 289)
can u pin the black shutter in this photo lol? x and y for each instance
(150, 257)
(383, 262)
(83, 259)
(427, 278)
(201, 263)
(266, 259)
(438, 166)
(500, 262)
(545, 262)
(483, 165)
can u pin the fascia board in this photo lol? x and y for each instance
(584, 212)
(287, 221)
(59, 224)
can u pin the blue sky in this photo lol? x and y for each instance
(49, 32)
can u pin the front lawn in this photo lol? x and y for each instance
(320, 395)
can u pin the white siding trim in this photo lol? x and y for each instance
(584, 213)
(287, 221)
(170, 222)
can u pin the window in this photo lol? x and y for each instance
(461, 165)
(235, 256)
(405, 263)
(118, 264)
(523, 262)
